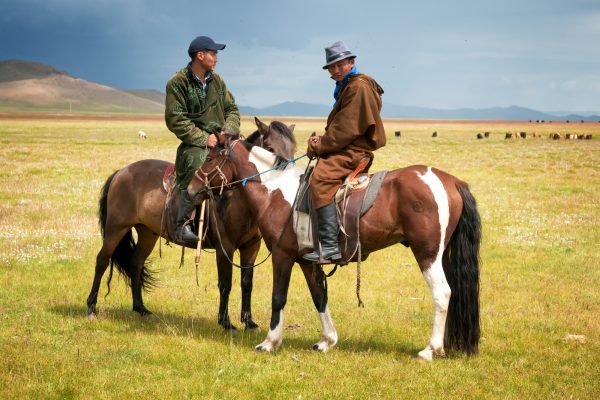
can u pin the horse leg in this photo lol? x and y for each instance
(433, 272)
(112, 238)
(247, 258)
(282, 271)
(224, 269)
(317, 284)
(145, 243)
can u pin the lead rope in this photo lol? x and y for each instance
(360, 302)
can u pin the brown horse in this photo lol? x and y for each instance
(424, 208)
(134, 197)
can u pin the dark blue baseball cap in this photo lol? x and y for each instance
(203, 43)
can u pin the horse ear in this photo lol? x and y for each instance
(262, 128)
(291, 128)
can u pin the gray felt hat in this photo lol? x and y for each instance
(337, 52)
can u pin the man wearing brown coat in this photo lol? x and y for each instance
(354, 130)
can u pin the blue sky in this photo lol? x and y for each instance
(542, 54)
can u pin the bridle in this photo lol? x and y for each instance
(208, 177)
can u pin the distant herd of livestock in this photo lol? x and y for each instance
(523, 135)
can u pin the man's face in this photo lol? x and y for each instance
(208, 59)
(340, 69)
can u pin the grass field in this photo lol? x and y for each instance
(540, 279)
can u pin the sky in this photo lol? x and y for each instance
(541, 54)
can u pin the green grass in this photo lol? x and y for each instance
(539, 202)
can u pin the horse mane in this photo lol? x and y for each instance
(284, 130)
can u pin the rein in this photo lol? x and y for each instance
(225, 184)
(209, 176)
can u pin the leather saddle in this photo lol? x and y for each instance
(353, 199)
(169, 215)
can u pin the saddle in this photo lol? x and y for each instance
(353, 199)
(169, 216)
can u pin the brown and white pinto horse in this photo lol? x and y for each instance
(133, 198)
(427, 209)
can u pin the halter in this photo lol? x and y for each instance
(225, 184)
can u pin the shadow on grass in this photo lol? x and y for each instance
(188, 326)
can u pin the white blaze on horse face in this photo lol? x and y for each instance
(286, 179)
(434, 275)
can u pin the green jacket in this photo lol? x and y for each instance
(193, 115)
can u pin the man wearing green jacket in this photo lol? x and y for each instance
(198, 105)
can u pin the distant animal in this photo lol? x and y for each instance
(486, 134)
(479, 136)
(397, 133)
(142, 135)
(554, 136)
(568, 121)
(588, 137)
(570, 136)
(523, 135)
(580, 137)
(508, 135)
(434, 134)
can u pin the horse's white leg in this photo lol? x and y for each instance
(440, 292)
(434, 275)
(329, 336)
(274, 337)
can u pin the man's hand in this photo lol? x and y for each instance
(313, 146)
(212, 141)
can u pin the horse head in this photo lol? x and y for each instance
(215, 174)
(276, 137)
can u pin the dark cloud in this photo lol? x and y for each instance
(464, 53)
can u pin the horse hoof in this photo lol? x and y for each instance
(251, 326)
(266, 347)
(228, 326)
(233, 331)
(426, 355)
(143, 311)
(92, 312)
(321, 346)
(92, 316)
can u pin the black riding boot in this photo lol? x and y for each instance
(328, 235)
(184, 230)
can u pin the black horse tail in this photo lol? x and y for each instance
(123, 253)
(462, 323)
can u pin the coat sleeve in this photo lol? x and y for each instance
(231, 112)
(353, 119)
(176, 117)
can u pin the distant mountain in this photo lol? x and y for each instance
(32, 85)
(289, 108)
(397, 111)
(29, 85)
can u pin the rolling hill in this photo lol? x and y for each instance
(31, 85)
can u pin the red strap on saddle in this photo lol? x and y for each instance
(362, 165)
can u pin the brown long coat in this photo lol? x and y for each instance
(354, 129)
